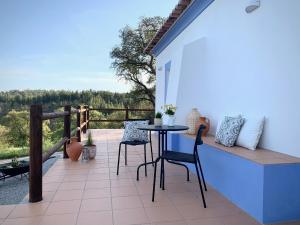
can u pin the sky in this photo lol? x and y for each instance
(65, 44)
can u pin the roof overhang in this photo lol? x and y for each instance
(185, 12)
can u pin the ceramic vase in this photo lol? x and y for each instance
(74, 149)
(206, 122)
(92, 151)
(192, 119)
(170, 120)
(157, 122)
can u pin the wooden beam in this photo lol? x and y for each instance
(67, 129)
(35, 154)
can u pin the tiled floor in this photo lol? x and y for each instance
(90, 193)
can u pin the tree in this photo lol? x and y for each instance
(130, 61)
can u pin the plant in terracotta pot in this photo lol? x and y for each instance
(158, 119)
(170, 113)
(74, 149)
(90, 146)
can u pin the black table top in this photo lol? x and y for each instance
(164, 128)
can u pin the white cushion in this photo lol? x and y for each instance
(251, 132)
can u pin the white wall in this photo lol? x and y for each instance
(230, 62)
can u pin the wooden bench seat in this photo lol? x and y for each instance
(261, 156)
(263, 183)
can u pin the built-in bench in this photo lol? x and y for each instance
(264, 183)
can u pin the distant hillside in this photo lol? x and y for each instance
(51, 100)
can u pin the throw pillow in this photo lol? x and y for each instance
(229, 130)
(251, 132)
(131, 133)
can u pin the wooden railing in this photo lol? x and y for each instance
(126, 117)
(36, 138)
(36, 142)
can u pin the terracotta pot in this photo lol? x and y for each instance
(192, 120)
(206, 122)
(74, 149)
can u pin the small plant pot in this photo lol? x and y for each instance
(157, 122)
(92, 151)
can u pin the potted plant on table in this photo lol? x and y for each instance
(170, 113)
(90, 146)
(157, 119)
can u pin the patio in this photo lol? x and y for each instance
(84, 193)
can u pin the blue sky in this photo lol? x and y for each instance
(65, 44)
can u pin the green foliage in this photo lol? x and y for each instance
(14, 115)
(11, 152)
(158, 115)
(15, 162)
(89, 141)
(130, 61)
(17, 124)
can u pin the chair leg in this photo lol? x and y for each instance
(145, 159)
(163, 176)
(201, 189)
(125, 155)
(154, 178)
(119, 158)
(202, 174)
(151, 150)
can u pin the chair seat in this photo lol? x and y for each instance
(136, 142)
(179, 156)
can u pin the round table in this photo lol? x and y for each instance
(162, 145)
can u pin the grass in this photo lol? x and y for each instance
(7, 152)
(11, 152)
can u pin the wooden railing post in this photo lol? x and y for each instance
(84, 118)
(36, 147)
(126, 113)
(79, 123)
(67, 128)
(88, 117)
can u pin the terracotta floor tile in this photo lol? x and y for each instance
(29, 210)
(123, 191)
(182, 222)
(196, 211)
(53, 186)
(79, 185)
(163, 214)
(130, 216)
(63, 207)
(22, 221)
(127, 202)
(62, 219)
(122, 183)
(209, 221)
(94, 218)
(97, 193)
(97, 184)
(62, 195)
(5, 210)
(160, 200)
(185, 198)
(98, 204)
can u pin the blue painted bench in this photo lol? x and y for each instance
(263, 183)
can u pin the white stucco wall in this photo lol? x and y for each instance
(230, 62)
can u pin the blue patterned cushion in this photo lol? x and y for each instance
(229, 130)
(131, 133)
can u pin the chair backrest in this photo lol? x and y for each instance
(198, 140)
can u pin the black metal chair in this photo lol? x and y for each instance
(193, 158)
(135, 143)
